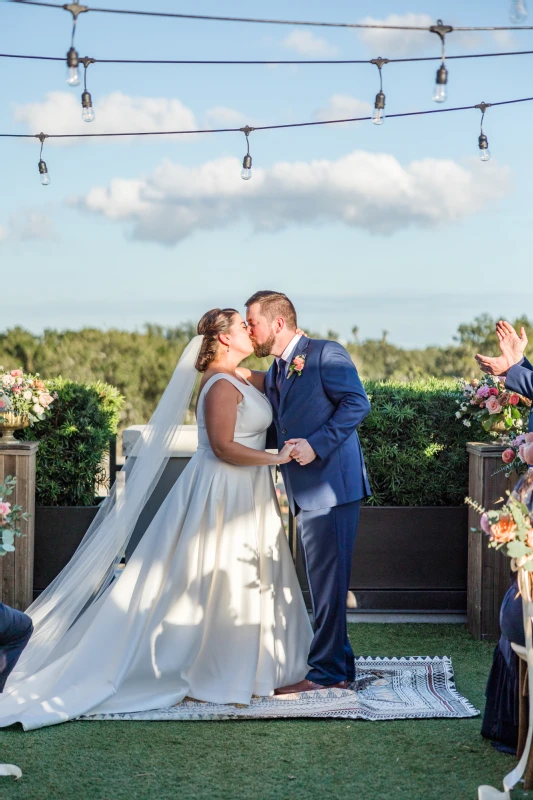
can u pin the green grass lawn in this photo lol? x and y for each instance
(285, 759)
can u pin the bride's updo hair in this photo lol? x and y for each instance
(212, 324)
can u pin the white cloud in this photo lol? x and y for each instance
(389, 43)
(305, 43)
(398, 43)
(370, 191)
(344, 106)
(25, 225)
(60, 112)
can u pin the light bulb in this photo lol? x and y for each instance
(483, 144)
(518, 12)
(378, 115)
(440, 94)
(246, 172)
(73, 77)
(87, 110)
(43, 172)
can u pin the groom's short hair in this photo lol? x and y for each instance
(274, 304)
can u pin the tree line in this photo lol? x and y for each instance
(140, 364)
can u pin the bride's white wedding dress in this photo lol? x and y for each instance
(208, 605)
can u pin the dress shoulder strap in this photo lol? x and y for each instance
(218, 376)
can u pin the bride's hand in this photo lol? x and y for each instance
(284, 455)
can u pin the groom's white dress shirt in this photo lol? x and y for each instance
(288, 353)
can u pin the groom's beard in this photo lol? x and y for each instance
(264, 349)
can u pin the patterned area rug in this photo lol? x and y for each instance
(384, 688)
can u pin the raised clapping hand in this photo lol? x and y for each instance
(302, 451)
(512, 348)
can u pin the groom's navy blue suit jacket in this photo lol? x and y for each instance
(520, 379)
(325, 405)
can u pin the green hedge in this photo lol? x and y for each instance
(73, 441)
(414, 447)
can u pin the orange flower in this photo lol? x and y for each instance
(39, 385)
(503, 531)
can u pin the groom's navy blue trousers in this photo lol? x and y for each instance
(326, 537)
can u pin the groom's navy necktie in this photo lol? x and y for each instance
(280, 375)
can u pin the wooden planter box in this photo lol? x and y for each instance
(58, 532)
(489, 571)
(407, 559)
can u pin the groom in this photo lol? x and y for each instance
(318, 403)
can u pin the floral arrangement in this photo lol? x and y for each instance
(487, 403)
(24, 395)
(10, 517)
(509, 529)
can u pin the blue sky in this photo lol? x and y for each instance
(398, 227)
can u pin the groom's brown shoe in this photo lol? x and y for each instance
(308, 686)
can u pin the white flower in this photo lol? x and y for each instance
(27, 395)
(458, 414)
(8, 380)
(467, 423)
(37, 409)
(463, 408)
(519, 423)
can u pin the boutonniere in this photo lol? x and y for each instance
(298, 363)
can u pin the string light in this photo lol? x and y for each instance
(87, 110)
(43, 169)
(518, 12)
(212, 18)
(483, 142)
(246, 172)
(440, 94)
(73, 77)
(378, 115)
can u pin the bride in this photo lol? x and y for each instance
(209, 605)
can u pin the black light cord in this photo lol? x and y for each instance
(259, 127)
(270, 62)
(211, 18)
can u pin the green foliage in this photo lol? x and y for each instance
(10, 517)
(414, 447)
(73, 440)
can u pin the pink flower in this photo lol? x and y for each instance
(45, 399)
(298, 363)
(514, 400)
(16, 373)
(483, 391)
(519, 440)
(528, 437)
(508, 456)
(521, 455)
(484, 523)
(492, 405)
(5, 508)
(493, 391)
(527, 452)
(8, 380)
(17, 389)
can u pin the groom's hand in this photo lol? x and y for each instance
(302, 451)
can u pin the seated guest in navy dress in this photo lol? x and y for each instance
(15, 631)
(500, 721)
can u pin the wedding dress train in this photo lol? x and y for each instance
(208, 606)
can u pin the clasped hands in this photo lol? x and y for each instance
(302, 452)
(512, 348)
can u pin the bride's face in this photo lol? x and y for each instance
(240, 341)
